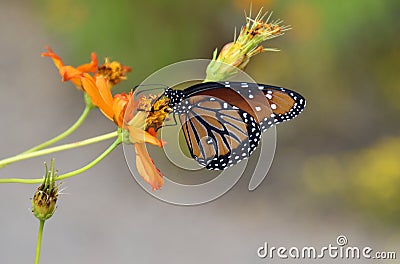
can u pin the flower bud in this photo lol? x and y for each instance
(236, 55)
(45, 198)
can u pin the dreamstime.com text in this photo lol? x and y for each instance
(341, 250)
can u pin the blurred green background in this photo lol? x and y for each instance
(341, 157)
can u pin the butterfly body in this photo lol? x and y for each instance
(223, 122)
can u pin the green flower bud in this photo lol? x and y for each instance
(45, 198)
(236, 55)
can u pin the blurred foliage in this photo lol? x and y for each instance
(364, 181)
(146, 35)
(343, 56)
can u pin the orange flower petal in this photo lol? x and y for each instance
(152, 132)
(130, 108)
(69, 73)
(146, 167)
(56, 59)
(140, 136)
(90, 87)
(104, 90)
(91, 66)
(120, 104)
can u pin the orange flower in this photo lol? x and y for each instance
(99, 90)
(67, 72)
(139, 133)
(115, 108)
(141, 126)
(97, 86)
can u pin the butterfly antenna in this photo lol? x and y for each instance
(163, 85)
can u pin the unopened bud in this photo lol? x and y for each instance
(45, 198)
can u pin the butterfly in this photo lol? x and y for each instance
(223, 121)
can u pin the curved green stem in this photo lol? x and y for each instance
(64, 134)
(20, 157)
(39, 241)
(72, 173)
(91, 164)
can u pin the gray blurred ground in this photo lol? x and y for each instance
(105, 217)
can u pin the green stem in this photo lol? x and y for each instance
(72, 173)
(39, 241)
(64, 134)
(93, 163)
(89, 141)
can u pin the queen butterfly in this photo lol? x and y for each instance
(223, 122)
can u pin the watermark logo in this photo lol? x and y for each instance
(340, 250)
(185, 182)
